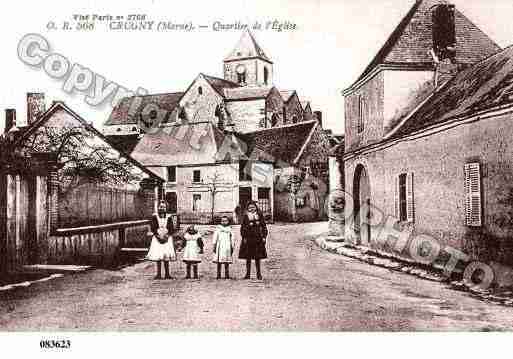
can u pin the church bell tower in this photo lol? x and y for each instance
(247, 64)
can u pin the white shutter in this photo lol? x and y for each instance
(397, 215)
(473, 202)
(410, 198)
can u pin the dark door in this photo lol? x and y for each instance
(171, 202)
(245, 195)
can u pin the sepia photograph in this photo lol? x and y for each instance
(252, 167)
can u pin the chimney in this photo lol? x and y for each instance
(318, 115)
(10, 119)
(444, 43)
(35, 106)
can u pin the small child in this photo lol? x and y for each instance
(192, 251)
(224, 245)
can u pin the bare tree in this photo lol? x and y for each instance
(84, 157)
(213, 183)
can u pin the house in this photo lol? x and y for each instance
(246, 107)
(428, 136)
(66, 194)
(208, 172)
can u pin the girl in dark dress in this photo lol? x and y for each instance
(254, 234)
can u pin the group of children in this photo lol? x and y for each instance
(162, 248)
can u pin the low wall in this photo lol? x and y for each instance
(96, 245)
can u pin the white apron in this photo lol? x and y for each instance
(158, 251)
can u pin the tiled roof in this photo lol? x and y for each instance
(120, 114)
(411, 41)
(247, 47)
(195, 143)
(281, 143)
(286, 94)
(481, 87)
(219, 84)
(246, 93)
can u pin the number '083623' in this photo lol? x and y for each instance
(54, 344)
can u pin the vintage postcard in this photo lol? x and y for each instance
(256, 166)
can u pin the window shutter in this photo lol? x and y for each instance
(473, 201)
(396, 199)
(410, 200)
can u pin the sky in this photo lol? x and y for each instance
(331, 45)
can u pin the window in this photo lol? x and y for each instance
(274, 120)
(404, 200)
(361, 114)
(241, 77)
(266, 75)
(473, 196)
(245, 170)
(200, 90)
(264, 200)
(196, 176)
(294, 119)
(196, 202)
(171, 202)
(171, 174)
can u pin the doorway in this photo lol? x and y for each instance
(362, 201)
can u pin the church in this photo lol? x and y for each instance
(225, 141)
(428, 131)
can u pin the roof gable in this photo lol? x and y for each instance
(60, 115)
(411, 41)
(247, 47)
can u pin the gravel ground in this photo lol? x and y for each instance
(304, 289)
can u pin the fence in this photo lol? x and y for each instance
(206, 217)
(89, 205)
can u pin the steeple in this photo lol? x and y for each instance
(247, 48)
(247, 64)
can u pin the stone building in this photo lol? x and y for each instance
(428, 136)
(244, 106)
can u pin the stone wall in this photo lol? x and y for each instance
(201, 107)
(248, 115)
(437, 162)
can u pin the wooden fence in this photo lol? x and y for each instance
(89, 205)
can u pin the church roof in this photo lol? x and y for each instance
(219, 84)
(411, 41)
(120, 114)
(243, 93)
(481, 87)
(247, 47)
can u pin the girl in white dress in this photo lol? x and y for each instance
(162, 248)
(192, 251)
(224, 245)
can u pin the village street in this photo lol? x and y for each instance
(304, 289)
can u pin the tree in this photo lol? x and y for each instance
(84, 157)
(213, 183)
